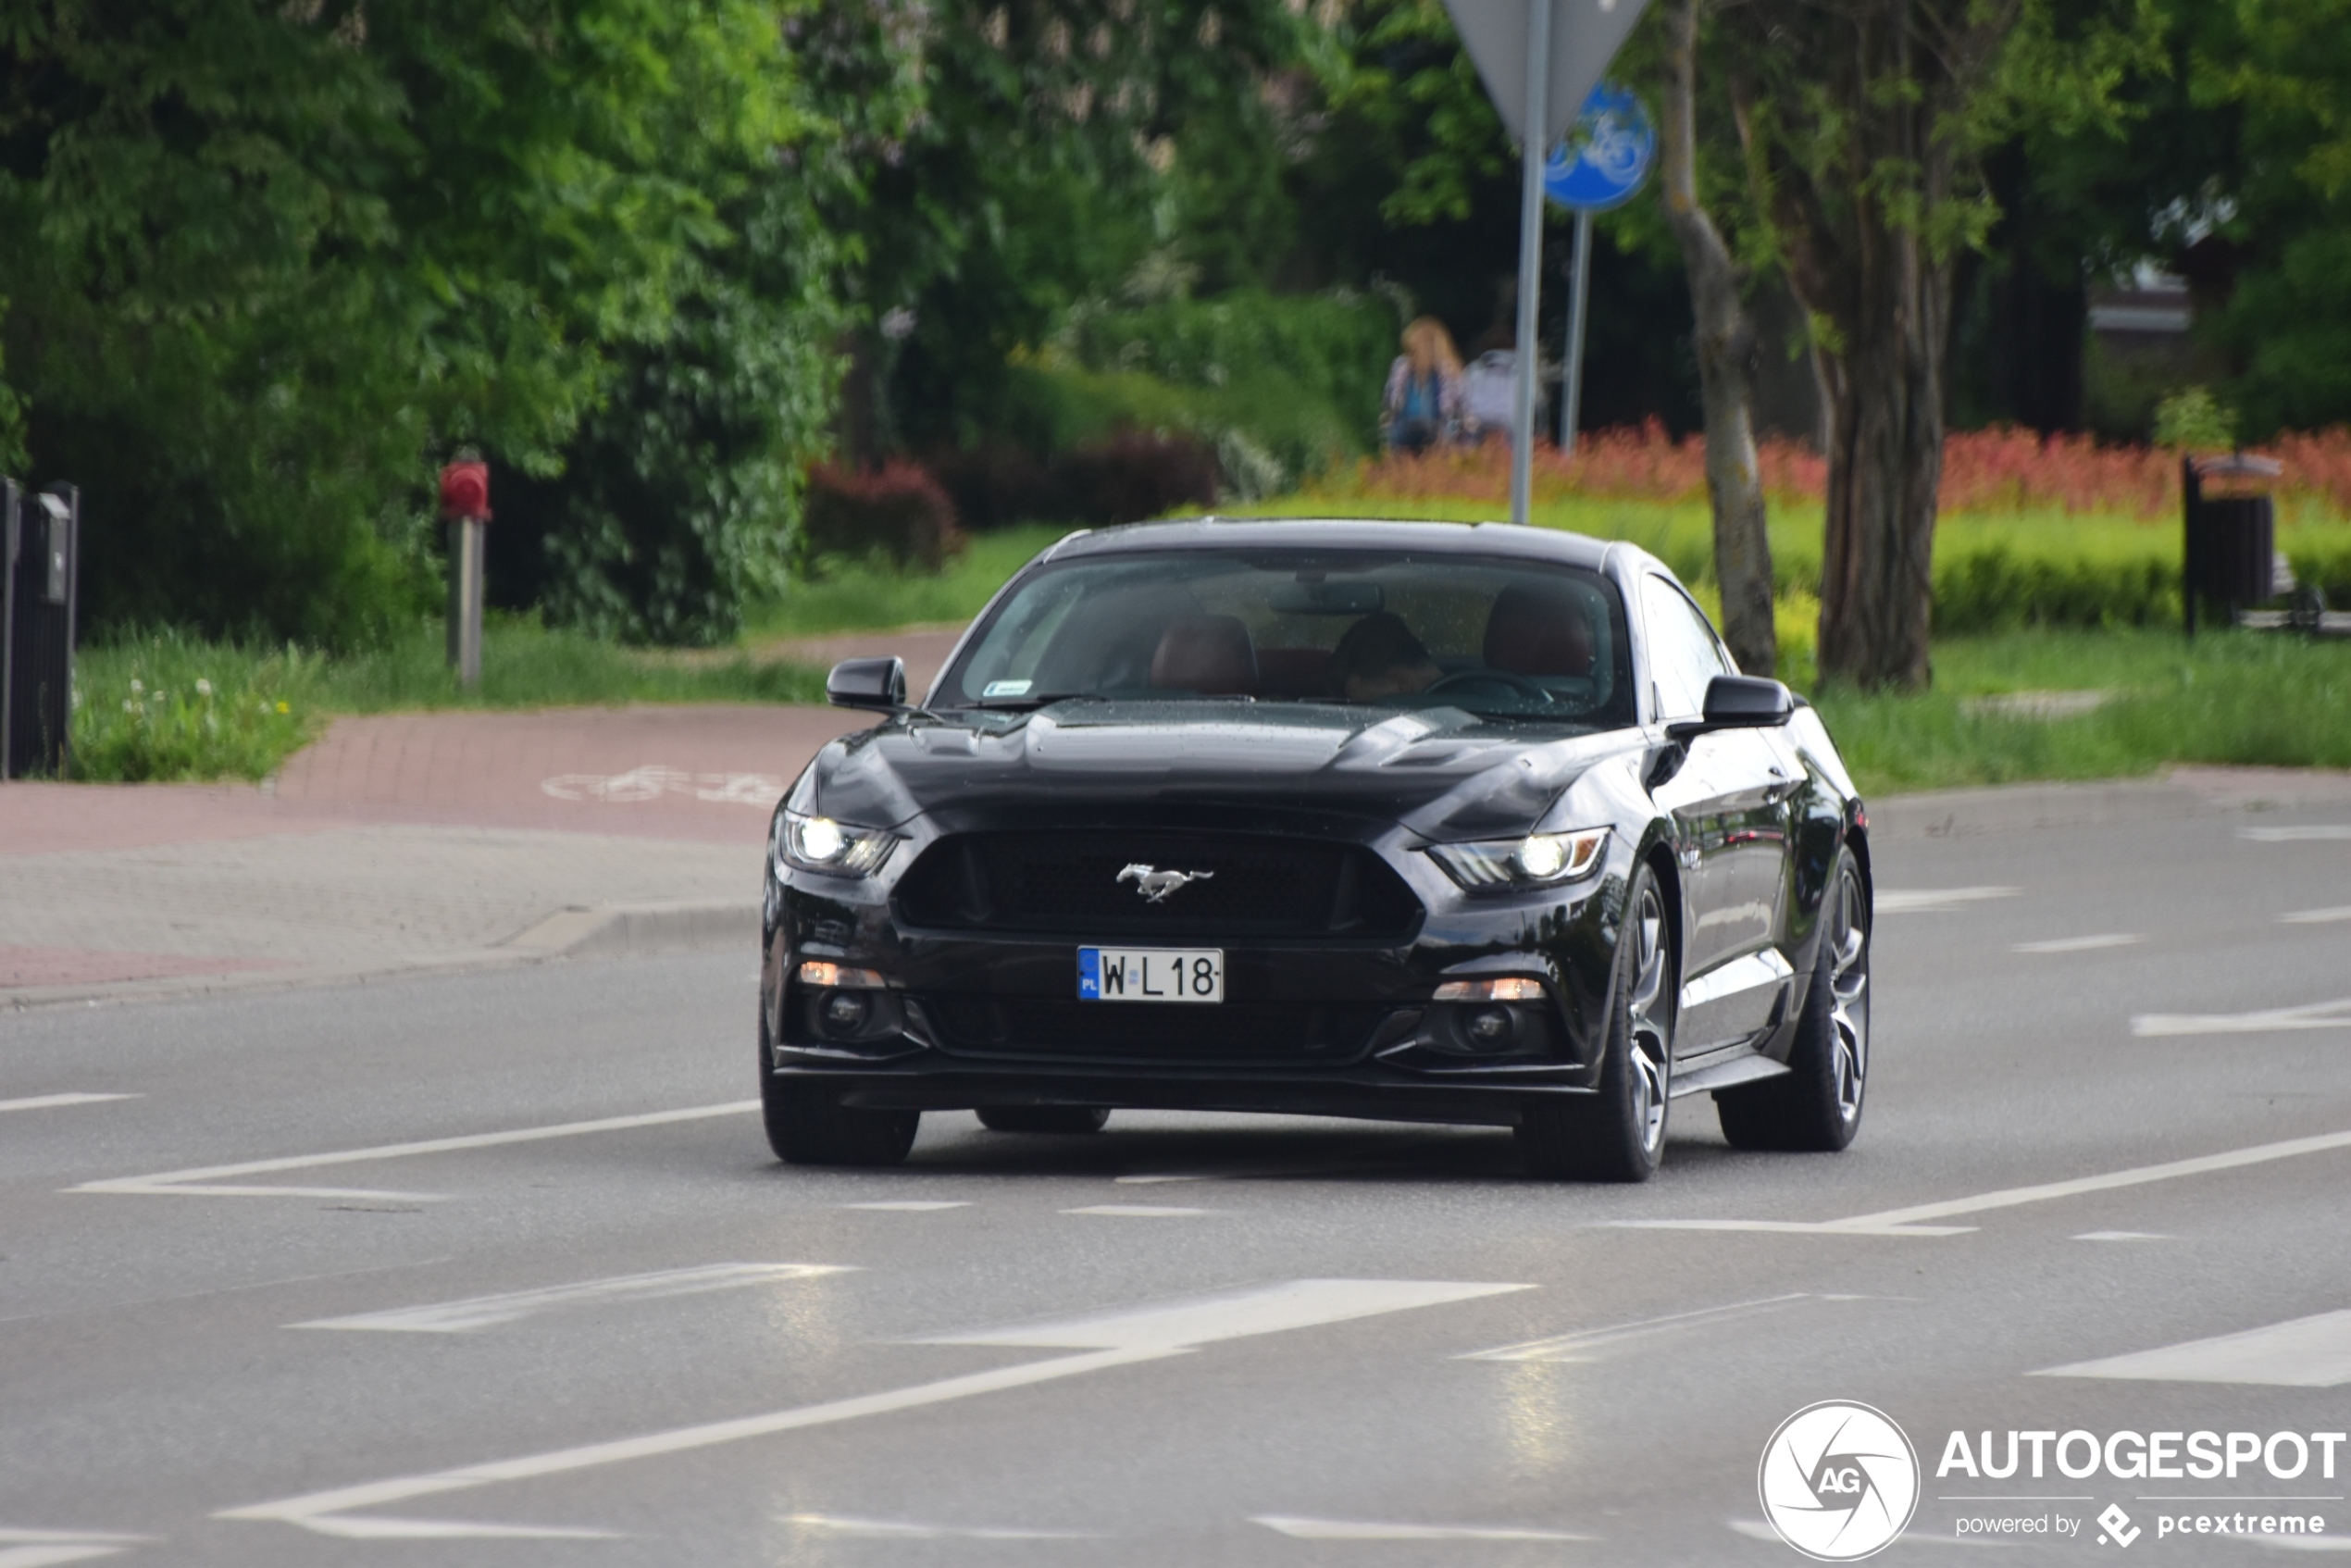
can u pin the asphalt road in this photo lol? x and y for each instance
(243, 1317)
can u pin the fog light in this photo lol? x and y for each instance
(1488, 1026)
(845, 1013)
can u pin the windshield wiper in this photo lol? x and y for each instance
(1030, 704)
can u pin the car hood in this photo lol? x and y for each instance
(1442, 772)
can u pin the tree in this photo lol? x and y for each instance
(1864, 123)
(1725, 342)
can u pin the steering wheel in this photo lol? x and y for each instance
(1470, 680)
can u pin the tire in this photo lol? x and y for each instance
(1043, 1118)
(1618, 1134)
(807, 1125)
(1816, 1106)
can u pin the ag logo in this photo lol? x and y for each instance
(1838, 1481)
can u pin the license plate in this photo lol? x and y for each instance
(1150, 973)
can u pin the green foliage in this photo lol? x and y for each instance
(265, 257)
(1290, 383)
(2193, 420)
(164, 706)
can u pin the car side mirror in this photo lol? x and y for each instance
(1740, 702)
(867, 683)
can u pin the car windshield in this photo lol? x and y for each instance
(1500, 639)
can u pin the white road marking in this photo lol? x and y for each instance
(2309, 1352)
(841, 1524)
(1232, 1314)
(205, 1182)
(2121, 1236)
(2273, 1020)
(911, 1206)
(489, 1312)
(50, 1548)
(1134, 1335)
(1350, 1530)
(2083, 944)
(51, 1101)
(2324, 833)
(1136, 1210)
(2316, 916)
(1584, 1345)
(1910, 1221)
(368, 1527)
(1934, 900)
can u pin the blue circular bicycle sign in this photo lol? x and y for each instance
(1605, 157)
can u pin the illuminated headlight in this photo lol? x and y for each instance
(818, 843)
(1539, 860)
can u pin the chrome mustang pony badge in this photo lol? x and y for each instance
(1155, 884)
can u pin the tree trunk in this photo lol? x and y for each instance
(1886, 454)
(1726, 348)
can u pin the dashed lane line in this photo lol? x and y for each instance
(53, 1102)
(211, 1181)
(2083, 944)
(477, 1312)
(2307, 1353)
(1917, 1219)
(2266, 1021)
(1138, 1210)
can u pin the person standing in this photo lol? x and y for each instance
(1421, 405)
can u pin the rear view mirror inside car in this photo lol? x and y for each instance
(1329, 599)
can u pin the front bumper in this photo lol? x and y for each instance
(1315, 1027)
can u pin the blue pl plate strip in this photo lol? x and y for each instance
(1089, 974)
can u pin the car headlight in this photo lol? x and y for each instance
(818, 843)
(1539, 860)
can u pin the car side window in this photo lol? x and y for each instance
(1684, 655)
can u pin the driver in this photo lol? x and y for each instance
(1378, 658)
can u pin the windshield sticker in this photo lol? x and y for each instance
(1007, 688)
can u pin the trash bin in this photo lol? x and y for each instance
(42, 579)
(2231, 555)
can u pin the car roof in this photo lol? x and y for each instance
(1339, 533)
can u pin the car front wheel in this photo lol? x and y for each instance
(807, 1125)
(1618, 1133)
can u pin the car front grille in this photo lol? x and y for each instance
(1068, 884)
(1048, 1026)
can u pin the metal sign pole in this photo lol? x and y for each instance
(1533, 154)
(1579, 302)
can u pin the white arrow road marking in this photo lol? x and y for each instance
(841, 1524)
(2083, 944)
(2274, 1020)
(207, 1182)
(50, 1102)
(1129, 1336)
(1910, 1222)
(1350, 1530)
(2325, 833)
(1934, 900)
(489, 1312)
(2316, 916)
(2309, 1352)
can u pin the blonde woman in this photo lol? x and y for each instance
(1421, 405)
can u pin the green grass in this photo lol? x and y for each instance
(2242, 698)
(167, 707)
(863, 597)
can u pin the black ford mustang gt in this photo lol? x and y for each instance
(1422, 822)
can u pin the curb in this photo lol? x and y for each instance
(580, 931)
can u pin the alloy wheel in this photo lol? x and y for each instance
(1649, 1013)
